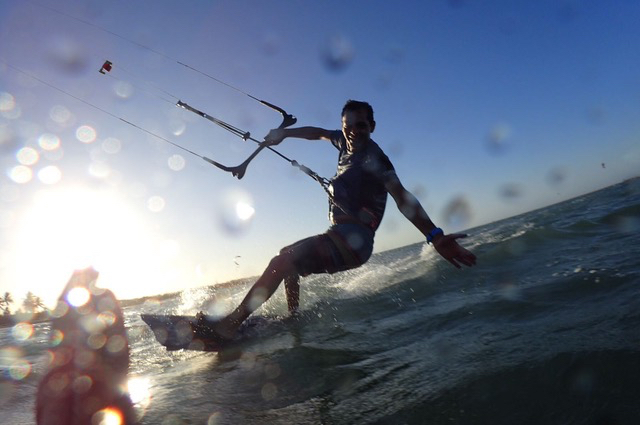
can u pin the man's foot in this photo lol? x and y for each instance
(205, 327)
(295, 314)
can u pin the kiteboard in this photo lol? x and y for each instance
(177, 332)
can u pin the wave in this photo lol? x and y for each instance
(589, 388)
(542, 330)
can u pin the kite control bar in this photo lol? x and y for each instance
(240, 170)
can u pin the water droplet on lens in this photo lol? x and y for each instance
(7, 102)
(123, 89)
(111, 145)
(67, 55)
(498, 138)
(156, 204)
(596, 115)
(178, 126)
(555, 176)
(456, 4)
(511, 191)
(337, 53)
(99, 169)
(60, 115)
(176, 162)
(271, 44)
(457, 213)
(235, 211)
(394, 54)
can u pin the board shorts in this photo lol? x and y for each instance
(342, 247)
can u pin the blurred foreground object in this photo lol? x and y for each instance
(88, 358)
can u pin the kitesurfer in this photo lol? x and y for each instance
(359, 192)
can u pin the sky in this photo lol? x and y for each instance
(487, 109)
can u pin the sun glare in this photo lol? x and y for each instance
(73, 228)
(244, 211)
(78, 297)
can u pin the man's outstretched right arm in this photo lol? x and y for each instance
(309, 133)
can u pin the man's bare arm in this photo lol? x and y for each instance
(309, 133)
(446, 245)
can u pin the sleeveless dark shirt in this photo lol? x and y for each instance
(359, 193)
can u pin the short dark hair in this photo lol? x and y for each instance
(356, 105)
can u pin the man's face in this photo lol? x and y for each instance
(356, 129)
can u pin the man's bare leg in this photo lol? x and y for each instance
(292, 290)
(279, 267)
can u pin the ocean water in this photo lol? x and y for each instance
(544, 330)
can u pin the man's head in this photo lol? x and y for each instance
(356, 105)
(357, 123)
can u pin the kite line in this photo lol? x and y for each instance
(237, 171)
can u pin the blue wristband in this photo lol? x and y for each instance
(432, 234)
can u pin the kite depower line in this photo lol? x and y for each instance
(238, 170)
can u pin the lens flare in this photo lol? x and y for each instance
(49, 142)
(116, 343)
(156, 204)
(139, 389)
(22, 331)
(244, 211)
(7, 102)
(20, 174)
(107, 416)
(27, 156)
(78, 297)
(86, 134)
(111, 145)
(50, 175)
(60, 114)
(20, 369)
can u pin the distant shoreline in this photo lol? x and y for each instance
(43, 316)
